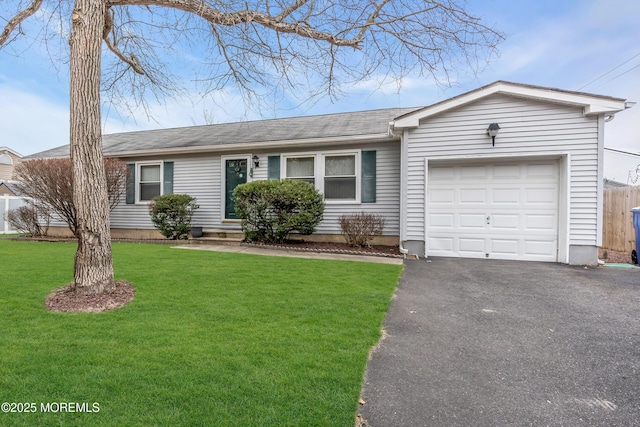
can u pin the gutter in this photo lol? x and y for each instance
(255, 146)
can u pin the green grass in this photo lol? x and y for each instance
(210, 338)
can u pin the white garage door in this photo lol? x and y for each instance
(499, 211)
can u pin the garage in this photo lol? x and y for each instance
(497, 210)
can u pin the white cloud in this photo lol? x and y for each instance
(30, 123)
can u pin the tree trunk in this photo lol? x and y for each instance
(93, 270)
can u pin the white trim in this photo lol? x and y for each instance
(223, 181)
(591, 104)
(426, 204)
(564, 209)
(139, 175)
(6, 149)
(358, 174)
(283, 165)
(600, 183)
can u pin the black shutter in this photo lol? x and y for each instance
(131, 184)
(368, 189)
(274, 167)
(168, 177)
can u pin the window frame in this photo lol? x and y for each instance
(319, 171)
(283, 166)
(138, 192)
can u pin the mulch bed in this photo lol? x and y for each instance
(65, 299)
(326, 247)
(614, 257)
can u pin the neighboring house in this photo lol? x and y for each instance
(443, 185)
(8, 159)
(9, 198)
(621, 168)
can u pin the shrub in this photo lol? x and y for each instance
(359, 229)
(171, 214)
(27, 219)
(271, 210)
(49, 182)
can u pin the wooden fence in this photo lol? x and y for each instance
(618, 233)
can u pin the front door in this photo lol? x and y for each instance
(235, 174)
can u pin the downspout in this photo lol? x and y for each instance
(403, 186)
(404, 164)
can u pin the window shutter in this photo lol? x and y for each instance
(274, 167)
(168, 177)
(131, 184)
(368, 189)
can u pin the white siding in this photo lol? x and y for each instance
(201, 178)
(527, 128)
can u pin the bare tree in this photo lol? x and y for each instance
(48, 183)
(320, 45)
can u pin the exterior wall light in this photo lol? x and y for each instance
(256, 161)
(493, 130)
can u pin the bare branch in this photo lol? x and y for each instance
(216, 17)
(18, 19)
(133, 61)
(288, 11)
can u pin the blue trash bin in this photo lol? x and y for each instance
(636, 225)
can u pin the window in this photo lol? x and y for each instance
(340, 177)
(148, 180)
(6, 159)
(302, 168)
(150, 184)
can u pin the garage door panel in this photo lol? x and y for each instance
(502, 210)
(441, 174)
(472, 195)
(505, 247)
(506, 171)
(441, 245)
(441, 221)
(471, 221)
(546, 170)
(506, 195)
(442, 196)
(470, 245)
(473, 172)
(541, 196)
(539, 247)
(505, 222)
(547, 222)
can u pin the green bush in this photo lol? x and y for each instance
(171, 214)
(271, 210)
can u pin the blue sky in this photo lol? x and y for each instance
(565, 44)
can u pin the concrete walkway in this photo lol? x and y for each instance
(294, 254)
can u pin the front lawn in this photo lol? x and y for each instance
(210, 339)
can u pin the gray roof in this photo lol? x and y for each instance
(11, 186)
(275, 131)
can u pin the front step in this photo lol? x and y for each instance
(219, 237)
(223, 234)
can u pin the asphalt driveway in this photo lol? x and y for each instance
(503, 343)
